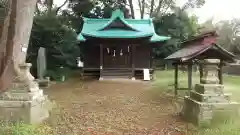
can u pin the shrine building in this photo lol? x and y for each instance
(118, 47)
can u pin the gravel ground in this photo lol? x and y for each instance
(112, 108)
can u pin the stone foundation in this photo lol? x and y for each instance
(31, 112)
(24, 102)
(200, 113)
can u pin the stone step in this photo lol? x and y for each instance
(117, 74)
(110, 77)
(210, 98)
(209, 88)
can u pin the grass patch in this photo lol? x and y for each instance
(24, 129)
(222, 124)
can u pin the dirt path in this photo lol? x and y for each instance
(111, 108)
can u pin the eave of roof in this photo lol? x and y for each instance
(157, 38)
(192, 52)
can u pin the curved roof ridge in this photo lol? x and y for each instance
(117, 14)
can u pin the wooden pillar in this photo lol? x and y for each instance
(220, 72)
(150, 57)
(101, 61)
(189, 77)
(176, 80)
(133, 61)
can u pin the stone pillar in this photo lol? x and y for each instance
(24, 102)
(208, 98)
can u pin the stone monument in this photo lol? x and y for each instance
(41, 68)
(41, 63)
(24, 102)
(208, 98)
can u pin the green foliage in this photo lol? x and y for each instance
(92, 9)
(59, 40)
(179, 26)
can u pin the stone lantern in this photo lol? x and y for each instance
(209, 97)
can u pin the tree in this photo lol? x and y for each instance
(228, 34)
(48, 6)
(158, 8)
(179, 26)
(59, 41)
(15, 34)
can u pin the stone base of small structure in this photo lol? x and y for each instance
(207, 100)
(200, 113)
(24, 102)
(43, 83)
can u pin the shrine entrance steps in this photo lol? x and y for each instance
(116, 74)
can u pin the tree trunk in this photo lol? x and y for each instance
(132, 9)
(151, 8)
(7, 42)
(140, 6)
(143, 9)
(17, 36)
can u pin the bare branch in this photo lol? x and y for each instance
(65, 2)
(159, 6)
(167, 7)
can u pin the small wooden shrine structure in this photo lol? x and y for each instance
(118, 47)
(196, 49)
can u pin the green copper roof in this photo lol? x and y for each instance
(119, 27)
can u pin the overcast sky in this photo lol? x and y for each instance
(219, 9)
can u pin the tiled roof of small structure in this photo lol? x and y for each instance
(194, 49)
(201, 36)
